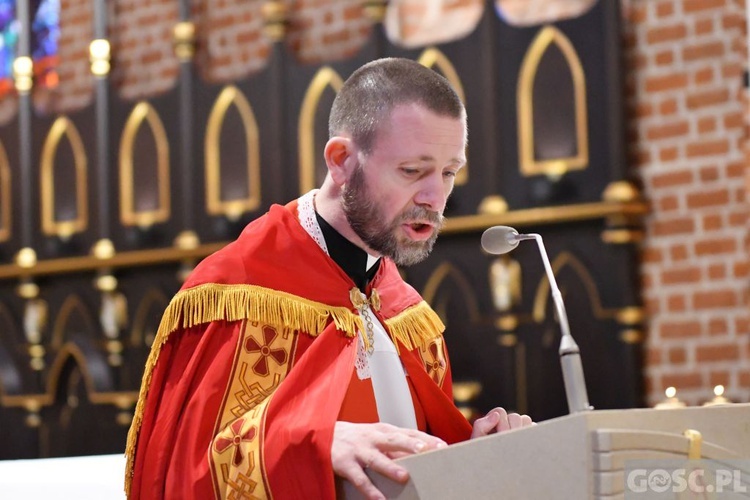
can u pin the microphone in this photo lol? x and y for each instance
(502, 239)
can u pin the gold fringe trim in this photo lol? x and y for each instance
(215, 302)
(415, 326)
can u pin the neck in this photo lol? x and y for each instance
(329, 204)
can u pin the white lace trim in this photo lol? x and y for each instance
(308, 220)
(306, 214)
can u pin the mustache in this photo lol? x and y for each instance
(422, 214)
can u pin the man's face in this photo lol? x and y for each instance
(394, 199)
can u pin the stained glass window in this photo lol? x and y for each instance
(9, 28)
(45, 33)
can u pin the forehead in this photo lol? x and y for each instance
(413, 127)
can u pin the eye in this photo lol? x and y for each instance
(409, 171)
(449, 173)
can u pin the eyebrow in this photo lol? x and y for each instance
(430, 159)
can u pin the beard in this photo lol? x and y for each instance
(365, 216)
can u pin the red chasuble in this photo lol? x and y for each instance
(251, 365)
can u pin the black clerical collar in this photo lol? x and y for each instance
(349, 257)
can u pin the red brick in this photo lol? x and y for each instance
(704, 76)
(676, 303)
(741, 269)
(703, 51)
(714, 299)
(719, 378)
(672, 81)
(716, 246)
(737, 169)
(708, 148)
(722, 352)
(733, 21)
(644, 109)
(677, 276)
(718, 326)
(708, 174)
(680, 329)
(734, 120)
(707, 98)
(664, 58)
(713, 222)
(664, 9)
(668, 33)
(653, 355)
(678, 252)
(689, 6)
(671, 179)
(670, 227)
(668, 107)
(682, 381)
(704, 26)
(742, 326)
(738, 219)
(718, 197)
(652, 255)
(637, 13)
(677, 356)
(669, 203)
(668, 154)
(667, 130)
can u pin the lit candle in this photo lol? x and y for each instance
(719, 398)
(671, 402)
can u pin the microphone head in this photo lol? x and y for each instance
(499, 239)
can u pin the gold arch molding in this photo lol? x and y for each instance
(143, 114)
(72, 305)
(446, 271)
(5, 193)
(215, 205)
(548, 36)
(543, 289)
(63, 129)
(325, 77)
(434, 58)
(72, 351)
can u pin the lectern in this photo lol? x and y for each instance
(580, 456)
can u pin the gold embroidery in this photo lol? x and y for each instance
(263, 358)
(433, 357)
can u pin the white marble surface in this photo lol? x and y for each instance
(98, 477)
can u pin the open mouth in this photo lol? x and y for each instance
(419, 230)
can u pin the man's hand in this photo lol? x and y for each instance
(357, 447)
(498, 420)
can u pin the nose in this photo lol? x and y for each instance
(432, 193)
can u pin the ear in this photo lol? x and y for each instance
(341, 158)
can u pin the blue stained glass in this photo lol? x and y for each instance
(45, 34)
(9, 28)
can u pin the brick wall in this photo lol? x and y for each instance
(688, 138)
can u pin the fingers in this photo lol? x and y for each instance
(357, 447)
(499, 420)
